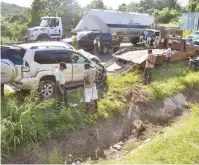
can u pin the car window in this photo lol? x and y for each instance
(77, 58)
(13, 55)
(53, 22)
(94, 35)
(157, 33)
(52, 57)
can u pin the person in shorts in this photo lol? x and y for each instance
(90, 90)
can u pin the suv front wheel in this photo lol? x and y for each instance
(105, 49)
(46, 89)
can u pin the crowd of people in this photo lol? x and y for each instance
(90, 75)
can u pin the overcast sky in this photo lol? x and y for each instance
(111, 3)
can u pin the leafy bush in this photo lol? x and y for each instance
(168, 15)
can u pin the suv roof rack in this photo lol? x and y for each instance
(37, 47)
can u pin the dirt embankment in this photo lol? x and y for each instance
(85, 143)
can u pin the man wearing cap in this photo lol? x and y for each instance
(150, 62)
(60, 89)
(90, 91)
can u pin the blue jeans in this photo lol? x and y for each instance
(61, 98)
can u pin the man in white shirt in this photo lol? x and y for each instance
(90, 90)
(168, 55)
(150, 63)
(60, 89)
(156, 42)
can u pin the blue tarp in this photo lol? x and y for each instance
(190, 21)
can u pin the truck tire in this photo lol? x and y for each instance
(46, 89)
(116, 49)
(193, 66)
(134, 40)
(105, 49)
(43, 37)
(8, 71)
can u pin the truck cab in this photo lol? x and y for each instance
(149, 36)
(49, 28)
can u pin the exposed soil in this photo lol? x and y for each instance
(132, 122)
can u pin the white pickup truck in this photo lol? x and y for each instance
(49, 28)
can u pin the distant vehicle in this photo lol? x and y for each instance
(107, 41)
(125, 24)
(193, 36)
(32, 65)
(196, 43)
(161, 32)
(49, 28)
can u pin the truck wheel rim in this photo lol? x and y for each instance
(105, 50)
(47, 90)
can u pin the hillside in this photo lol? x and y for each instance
(11, 9)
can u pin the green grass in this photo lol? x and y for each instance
(175, 79)
(187, 32)
(25, 118)
(178, 145)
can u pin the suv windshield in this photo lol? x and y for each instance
(45, 22)
(148, 33)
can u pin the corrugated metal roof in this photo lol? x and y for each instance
(139, 56)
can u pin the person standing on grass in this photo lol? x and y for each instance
(90, 90)
(60, 88)
(97, 46)
(168, 55)
(150, 63)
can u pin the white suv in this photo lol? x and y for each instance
(28, 66)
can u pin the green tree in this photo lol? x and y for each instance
(38, 10)
(140, 10)
(122, 7)
(146, 4)
(166, 15)
(132, 7)
(68, 10)
(159, 4)
(192, 6)
(197, 8)
(96, 4)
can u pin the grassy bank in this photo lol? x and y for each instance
(178, 145)
(26, 118)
